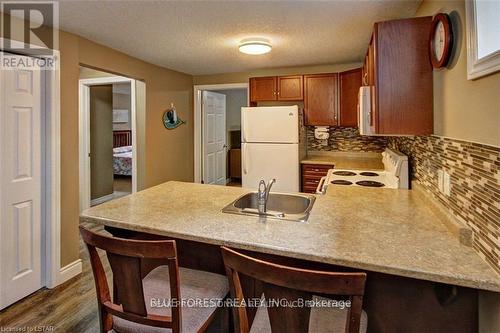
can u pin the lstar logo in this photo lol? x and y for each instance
(30, 28)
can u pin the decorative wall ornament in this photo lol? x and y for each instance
(170, 119)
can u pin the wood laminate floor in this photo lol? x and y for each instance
(70, 307)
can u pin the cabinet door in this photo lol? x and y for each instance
(350, 82)
(290, 88)
(235, 163)
(321, 99)
(372, 83)
(263, 89)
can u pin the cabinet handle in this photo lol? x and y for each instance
(365, 81)
(274, 93)
(278, 92)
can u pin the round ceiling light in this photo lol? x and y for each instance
(255, 47)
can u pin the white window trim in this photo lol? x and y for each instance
(476, 67)
(197, 89)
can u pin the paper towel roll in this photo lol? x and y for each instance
(321, 132)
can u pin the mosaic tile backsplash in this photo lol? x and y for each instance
(475, 184)
(346, 139)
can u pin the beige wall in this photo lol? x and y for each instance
(467, 110)
(463, 109)
(169, 153)
(244, 76)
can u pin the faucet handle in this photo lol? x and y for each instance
(262, 188)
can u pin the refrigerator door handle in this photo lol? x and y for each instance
(245, 171)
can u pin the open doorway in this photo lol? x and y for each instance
(108, 152)
(218, 133)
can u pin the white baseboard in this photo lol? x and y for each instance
(69, 271)
(100, 200)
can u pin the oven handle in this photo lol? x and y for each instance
(319, 189)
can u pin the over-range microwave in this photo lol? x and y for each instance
(365, 122)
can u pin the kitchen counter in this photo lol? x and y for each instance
(346, 160)
(387, 231)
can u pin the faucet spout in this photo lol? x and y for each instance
(270, 183)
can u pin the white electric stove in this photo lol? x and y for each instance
(394, 175)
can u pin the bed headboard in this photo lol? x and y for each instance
(122, 138)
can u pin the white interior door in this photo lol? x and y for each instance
(21, 118)
(214, 138)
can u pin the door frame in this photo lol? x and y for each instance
(197, 120)
(52, 272)
(84, 129)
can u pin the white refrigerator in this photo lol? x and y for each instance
(270, 147)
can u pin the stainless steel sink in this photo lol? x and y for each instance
(282, 206)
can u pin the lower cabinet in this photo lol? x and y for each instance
(235, 163)
(311, 176)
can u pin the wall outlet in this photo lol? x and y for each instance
(446, 184)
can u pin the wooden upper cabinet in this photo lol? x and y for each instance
(263, 89)
(399, 73)
(290, 88)
(321, 99)
(350, 82)
(276, 88)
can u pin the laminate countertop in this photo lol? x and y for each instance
(346, 160)
(381, 230)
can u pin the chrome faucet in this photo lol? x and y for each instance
(263, 195)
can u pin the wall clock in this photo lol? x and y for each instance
(441, 40)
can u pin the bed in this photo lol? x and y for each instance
(122, 152)
(122, 161)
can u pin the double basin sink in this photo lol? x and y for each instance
(282, 206)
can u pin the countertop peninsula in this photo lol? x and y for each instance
(380, 230)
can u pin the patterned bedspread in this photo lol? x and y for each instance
(122, 161)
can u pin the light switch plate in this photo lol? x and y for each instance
(446, 184)
(440, 180)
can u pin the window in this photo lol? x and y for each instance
(483, 37)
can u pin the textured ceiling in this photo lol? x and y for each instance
(201, 37)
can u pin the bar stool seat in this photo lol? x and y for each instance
(321, 320)
(195, 285)
(293, 285)
(146, 270)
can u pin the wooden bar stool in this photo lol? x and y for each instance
(283, 282)
(136, 284)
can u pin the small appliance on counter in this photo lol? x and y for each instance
(270, 146)
(395, 174)
(365, 121)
